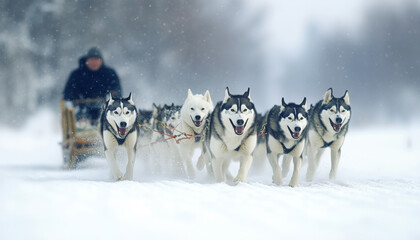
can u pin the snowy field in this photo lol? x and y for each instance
(376, 195)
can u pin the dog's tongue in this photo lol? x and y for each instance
(197, 123)
(122, 131)
(336, 127)
(239, 129)
(296, 134)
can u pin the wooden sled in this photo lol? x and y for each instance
(78, 143)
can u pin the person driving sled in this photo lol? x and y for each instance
(88, 86)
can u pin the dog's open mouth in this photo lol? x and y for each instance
(239, 130)
(336, 126)
(196, 123)
(295, 135)
(122, 131)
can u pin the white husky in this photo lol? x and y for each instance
(194, 113)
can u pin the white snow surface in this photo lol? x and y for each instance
(376, 195)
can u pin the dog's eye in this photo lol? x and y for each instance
(232, 110)
(202, 109)
(192, 109)
(115, 112)
(127, 112)
(301, 118)
(290, 118)
(343, 110)
(332, 110)
(245, 110)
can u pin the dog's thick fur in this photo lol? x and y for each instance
(232, 136)
(194, 115)
(286, 131)
(119, 128)
(328, 126)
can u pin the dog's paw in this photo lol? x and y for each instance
(117, 176)
(238, 180)
(293, 184)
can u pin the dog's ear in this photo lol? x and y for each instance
(248, 95)
(130, 99)
(227, 95)
(111, 100)
(303, 104)
(155, 110)
(328, 96)
(283, 104)
(190, 94)
(346, 98)
(207, 98)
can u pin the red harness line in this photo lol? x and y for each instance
(262, 132)
(187, 136)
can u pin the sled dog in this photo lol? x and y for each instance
(286, 131)
(145, 119)
(119, 128)
(194, 121)
(159, 155)
(172, 120)
(328, 125)
(232, 135)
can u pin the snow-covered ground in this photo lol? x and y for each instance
(376, 195)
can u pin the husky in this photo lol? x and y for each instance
(286, 131)
(119, 128)
(157, 144)
(145, 121)
(194, 121)
(172, 121)
(171, 118)
(328, 125)
(232, 135)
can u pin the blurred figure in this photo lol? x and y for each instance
(88, 86)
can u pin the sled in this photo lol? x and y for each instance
(78, 143)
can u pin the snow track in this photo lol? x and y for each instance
(376, 196)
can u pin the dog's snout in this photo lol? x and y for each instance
(197, 117)
(123, 124)
(297, 129)
(339, 120)
(240, 122)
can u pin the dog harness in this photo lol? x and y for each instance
(327, 144)
(287, 150)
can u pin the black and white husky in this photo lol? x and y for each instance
(328, 125)
(232, 135)
(119, 128)
(286, 131)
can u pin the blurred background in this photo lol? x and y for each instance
(160, 48)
